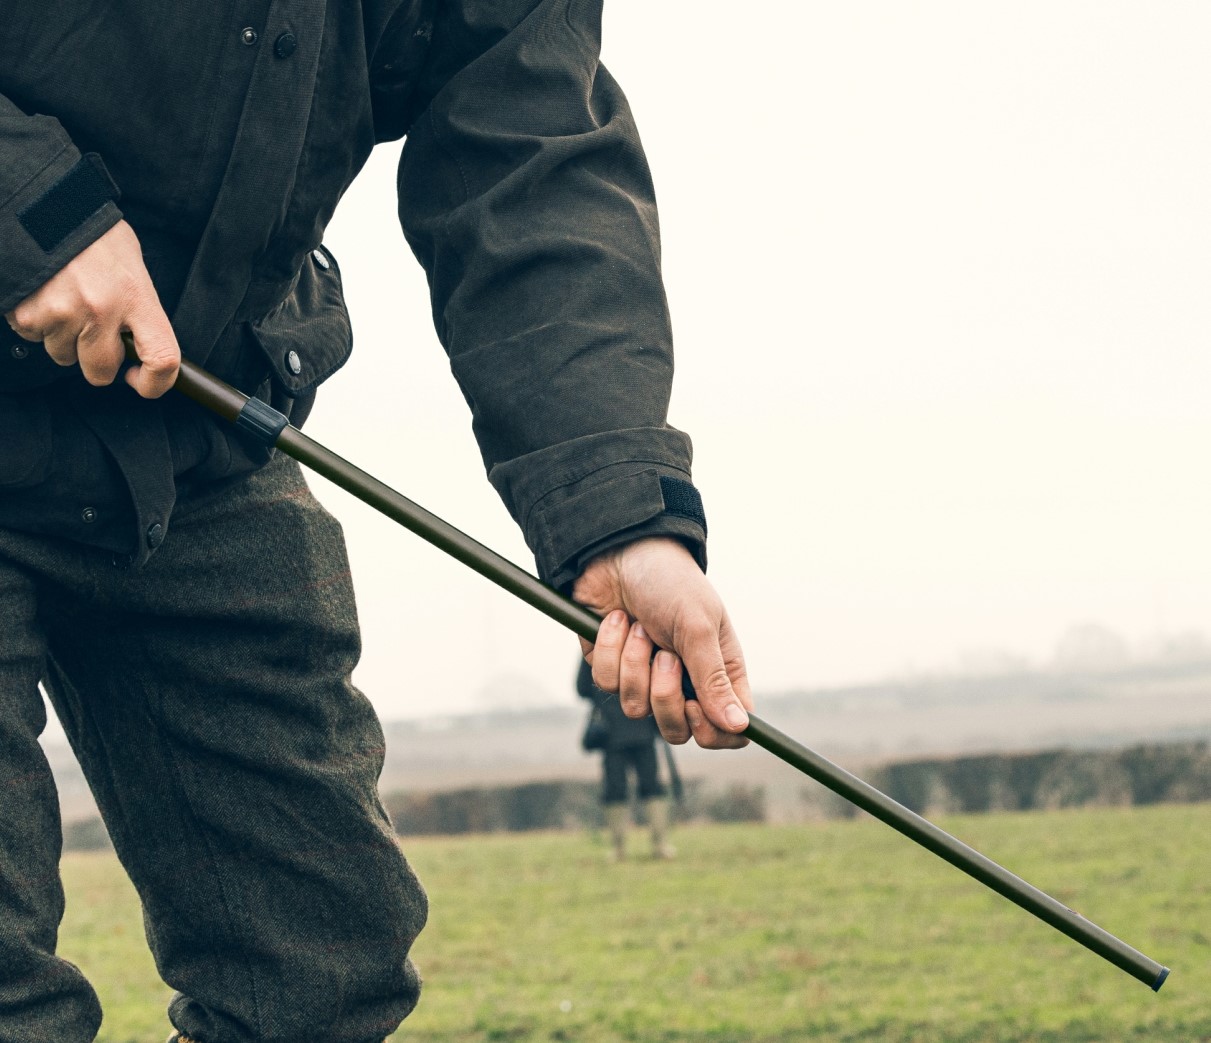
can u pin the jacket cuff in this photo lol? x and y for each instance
(580, 498)
(63, 208)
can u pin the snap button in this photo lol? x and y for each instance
(155, 535)
(88, 515)
(19, 351)
(285, 45)
(248, 36)
(294, 363)
(321, 259)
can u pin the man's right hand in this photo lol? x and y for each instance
(81, 313)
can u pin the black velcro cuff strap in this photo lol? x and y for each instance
(69, 202)
(682, 500)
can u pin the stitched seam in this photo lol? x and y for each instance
(34, 177)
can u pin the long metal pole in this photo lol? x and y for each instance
(235, 406)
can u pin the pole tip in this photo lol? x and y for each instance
(1160, 979)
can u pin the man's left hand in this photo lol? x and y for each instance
(652, 595)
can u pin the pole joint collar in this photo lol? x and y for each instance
(262, 421)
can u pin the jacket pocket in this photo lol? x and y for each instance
(307, 337)
(25, 438)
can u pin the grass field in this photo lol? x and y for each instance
(842, 931)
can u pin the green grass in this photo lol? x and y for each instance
(841, 932)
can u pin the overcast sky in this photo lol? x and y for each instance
(939, 275)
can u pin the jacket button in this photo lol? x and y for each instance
(321, 258)
(248, 36)
(155, 535)
(285, 45)
(19, 351)
(294, 363)
(88, 515)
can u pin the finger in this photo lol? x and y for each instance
(668, 704)
(100, 353)
(635, 665)
(158, 351)
(711, 674)
(23, 322)
(706, 734)
(60, 345)
(607, 651)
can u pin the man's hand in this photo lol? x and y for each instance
(81, 312)
(653, 595)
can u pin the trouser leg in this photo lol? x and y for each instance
(647, 775)
(614, 776)
(209, 701)
(614, 799)
(43, 999)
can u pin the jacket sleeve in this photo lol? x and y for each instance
(53, 201)
(525, 194)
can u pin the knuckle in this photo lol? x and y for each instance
(162, 360)
(735, 666)
(716, 685)
(604, 681)
(23, 317)
(92, 307)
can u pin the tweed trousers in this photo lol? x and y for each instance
(208, 699)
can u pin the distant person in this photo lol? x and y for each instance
(627, 744)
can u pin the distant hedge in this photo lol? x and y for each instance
(1144, 774)
(494, 809)
(559, 804)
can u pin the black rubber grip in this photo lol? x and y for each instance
(262, 421)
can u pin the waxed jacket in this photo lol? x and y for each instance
(225, 135)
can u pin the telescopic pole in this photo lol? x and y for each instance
(261, 421)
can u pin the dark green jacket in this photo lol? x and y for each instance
(231, 132)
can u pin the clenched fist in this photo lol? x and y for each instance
(80, 314)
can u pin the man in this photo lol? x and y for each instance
(628, 746)
(186, 602)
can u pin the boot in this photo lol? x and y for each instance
(657, 809)
(617, 817)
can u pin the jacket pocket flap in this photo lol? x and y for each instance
(307, 337)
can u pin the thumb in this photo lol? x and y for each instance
(153, 345)
(710, 672)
